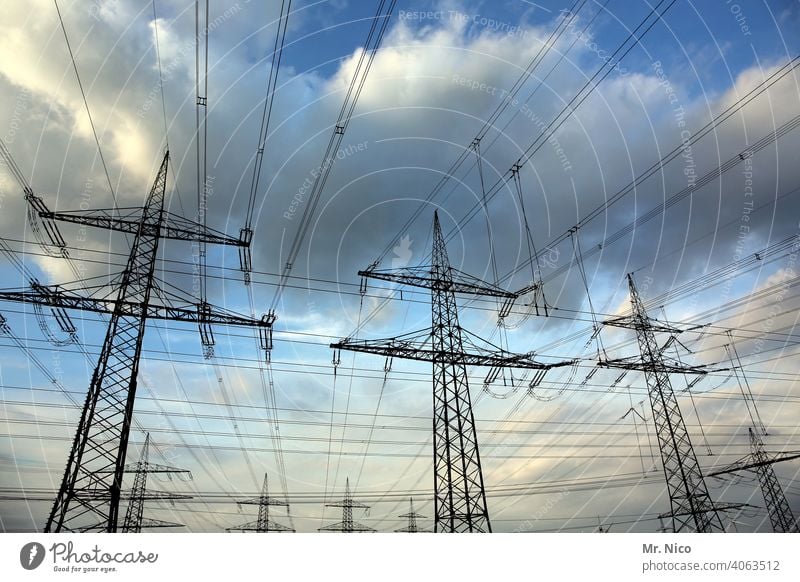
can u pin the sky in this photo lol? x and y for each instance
(574, 453)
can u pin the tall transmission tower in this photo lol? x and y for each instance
(134, 516)
(263, 524)
(412, 517)
(760, 462)
(89, 496)
(690, 503)
(347, 525)
(459, 494)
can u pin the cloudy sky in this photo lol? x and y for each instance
(568, 455)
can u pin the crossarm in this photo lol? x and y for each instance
(128, 220)
(54, 297)
(745, 466)
(414, 351)
(634, 363)
(458, 282)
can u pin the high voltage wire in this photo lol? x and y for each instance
(728, 306)
(587, 89)
(364, 455)
(774, 78)
(533, 64)
(85, 102)
(404, 417)
(734, 108)
(322, 452)
(379, 23)
(712, 275)
(717, 276)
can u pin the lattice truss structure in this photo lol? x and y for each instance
(692, 508)
(760, 462)
(459, 492)
(89, 496)
(263, 523)
(347, 525)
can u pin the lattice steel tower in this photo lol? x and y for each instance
(347, 525)
(459, 494)
(89, 496)
(263, 524)
(760, 462)
(690, 503)
(134, 516)
(412, 517)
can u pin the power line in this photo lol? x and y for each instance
(85, 102)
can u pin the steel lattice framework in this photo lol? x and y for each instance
(134, 516)
(412, 517)
(459, 493)
(263, 523)
(347, 525)
(89, 496)
(761, 463)
(691, 506)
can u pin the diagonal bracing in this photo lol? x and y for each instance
(459, 493)
(89, 496)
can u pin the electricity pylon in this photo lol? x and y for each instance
(134, 516)
(760, 462)
(459, 494)
(263, 524)
(89, 496)
(690, 503)
(347, 525)
(412, 516)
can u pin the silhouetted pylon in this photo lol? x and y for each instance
(412, 516)
(347, 525)
(263, 524)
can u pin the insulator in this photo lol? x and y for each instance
(537, 378)
(692, 384)
(362, 288)
(492, 375)
(619, 378)
(506, 307)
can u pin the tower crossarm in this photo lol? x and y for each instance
(139, 467)
(55, 297)
(263, 501)
(347, 503)
(129, 220)
(342, 526)
(415, 350)
(717, 506)
(144, 523)
(155, 496)
(272, 526)
(636, 322)
(749, 463)
(154, 468)
(662, 366)
(428, 278)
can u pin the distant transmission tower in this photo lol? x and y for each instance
(263, 524)
(134, 517)
(89, 496)
(690, 503)
(347, 525)
(412, 516)
(459, 494)
(758, 461)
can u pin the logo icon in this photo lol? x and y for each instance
(402, 253)
(31, 555)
